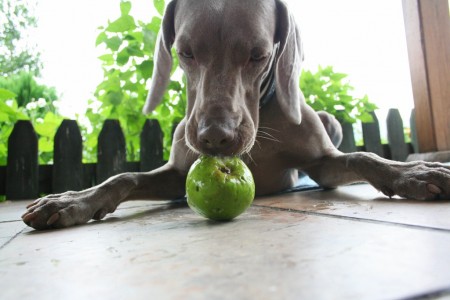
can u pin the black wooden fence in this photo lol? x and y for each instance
(24, 178)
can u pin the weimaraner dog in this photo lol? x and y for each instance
(242, 60)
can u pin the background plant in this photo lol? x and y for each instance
(330, 91)
(22, 98)
(17, 53)
(128, 65)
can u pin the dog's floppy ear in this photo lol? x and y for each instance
(162, 59)
(289, 60)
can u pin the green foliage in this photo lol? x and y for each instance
(22, 98)
(16, 53)
(127, 65)
(27, 90)
(327, 90)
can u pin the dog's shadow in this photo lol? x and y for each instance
(144, 212)
(155, 210)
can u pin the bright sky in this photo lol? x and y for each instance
(363, 38)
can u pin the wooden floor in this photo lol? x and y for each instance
(349, 243)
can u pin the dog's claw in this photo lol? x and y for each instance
(28, 216)
(53, 219)
(387, 191)
(433, 189)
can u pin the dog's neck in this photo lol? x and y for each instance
(268, 85)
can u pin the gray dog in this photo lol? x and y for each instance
(242, 60)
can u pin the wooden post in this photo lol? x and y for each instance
(427, 25)
(22, 173)
(396, 136)
(371, 136)
(67, 167)
(151, 146)
(412, 124)
(111, 155)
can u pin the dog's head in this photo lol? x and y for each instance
(230, 50)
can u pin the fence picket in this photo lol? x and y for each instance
(371, 136)
(67, 167)
(22, 173)
(111, 153)
(22, 178)
(395, 135)
(151, 146)
(348, 141)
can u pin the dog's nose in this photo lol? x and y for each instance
(216, 139)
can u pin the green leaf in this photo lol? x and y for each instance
(134, 36)
(134, 50)
(49, 126)
(125, 7)
(149, 39)
(125, 76)
(115, 98)
(154, 25)
(114, 43)
(130, 86)
(4, 117)
(365, 118)
(122, 24)
(338, 76)
(107, 58)
(6, 95)
(7, 109)
(44, 129)
(123, 57)
(159, 5)
(101, 38)
(146, 69)
(45, 144)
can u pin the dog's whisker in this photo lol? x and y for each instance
(267, 134)
(189, 151)
(251, 158)
(268, 128)
(268, 138)
(258, 143)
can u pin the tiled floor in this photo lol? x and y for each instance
(349, 243)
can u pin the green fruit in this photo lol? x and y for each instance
(219, 188)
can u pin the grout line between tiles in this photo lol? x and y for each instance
(312, 213)
(12, 238)
(10, 221)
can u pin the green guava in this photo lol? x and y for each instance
(219, 188)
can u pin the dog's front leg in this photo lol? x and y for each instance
(414, 180)
(72, 208)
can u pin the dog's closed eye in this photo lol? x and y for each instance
(258, 55)
(186, 54)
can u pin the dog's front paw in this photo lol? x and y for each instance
(419, 180)
(66, 209)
